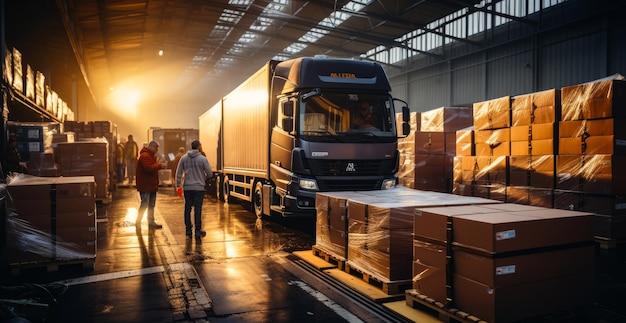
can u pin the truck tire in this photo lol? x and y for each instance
(257, 199)
(226, 190)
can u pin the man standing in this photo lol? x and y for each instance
(120, 162)
(130, 152)
(147, 171)
(193, 170)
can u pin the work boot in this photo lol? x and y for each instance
(156, 226)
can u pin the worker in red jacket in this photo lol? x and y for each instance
(147, 182)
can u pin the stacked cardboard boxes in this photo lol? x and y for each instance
(591, 148)
(485, 174)
(504, 262)
(434, 147)
(373, 230)
(406, 149)
(51, 219)
(533, 148)
(86, 158)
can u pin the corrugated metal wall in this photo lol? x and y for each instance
(573, 51)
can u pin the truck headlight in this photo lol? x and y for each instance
(388, 183)
(308, 184)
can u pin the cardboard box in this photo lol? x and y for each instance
(594, 100)
(528, 195)
(533, 171)
(465, 142)
(602, 136)
(431, 224)
(495, 142)
(446, 119)
(512, 231)
(429, 270)
(522, 268)
(430, 143)
(600, 174)
(492, 114)
(590, 202)
(523, 301)
(535, 108)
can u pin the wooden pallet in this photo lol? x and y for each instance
(333, 259)
(51, 266)
(388, 287)
(431, 306)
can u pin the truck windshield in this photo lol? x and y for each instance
(347, 117)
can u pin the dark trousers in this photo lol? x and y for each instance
(193, 199)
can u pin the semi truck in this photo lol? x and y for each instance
(290, 130)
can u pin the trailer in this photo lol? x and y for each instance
(290, 130)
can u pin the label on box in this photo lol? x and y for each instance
(505, 270)
(504, 235)
(33, 134)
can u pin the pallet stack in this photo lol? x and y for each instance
(554, 148)
(88, 157)
(433, 147)
(372, 231)
(504, 262)
(533, 148)
(591, 150)
(50, 221)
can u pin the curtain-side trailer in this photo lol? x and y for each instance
(301, 126)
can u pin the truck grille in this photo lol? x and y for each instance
(351, 167)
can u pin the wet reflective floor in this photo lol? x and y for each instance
(241, 271)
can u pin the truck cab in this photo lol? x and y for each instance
(334, 130)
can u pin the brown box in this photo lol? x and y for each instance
(594, 100)
(492, 114)
(590, 202)
(534, 171)
(431, 223)
(384, 254)
(76, 219)
(523, 301)
(465, 143)
(599, 174)
(512, 231)
(495, 142)
(488, 170)
(446, 119)
(602, 136)
(538, 107)
(528, 195)
(522, 268)
(430, 143)
(429, 270)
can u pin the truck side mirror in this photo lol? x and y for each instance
(406, 128)
(406, 118)
(287, 124)
(406, 114)
(288, 109)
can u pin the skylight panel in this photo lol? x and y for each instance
(230, 16)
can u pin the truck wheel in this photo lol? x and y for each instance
(226, 189)
(219, 189)
(257, 199)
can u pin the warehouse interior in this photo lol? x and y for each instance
(513, 102)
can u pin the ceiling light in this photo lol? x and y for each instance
(160, 52)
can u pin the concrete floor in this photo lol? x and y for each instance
(240, 272)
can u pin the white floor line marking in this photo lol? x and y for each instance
(327, 301)
(111, 276)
